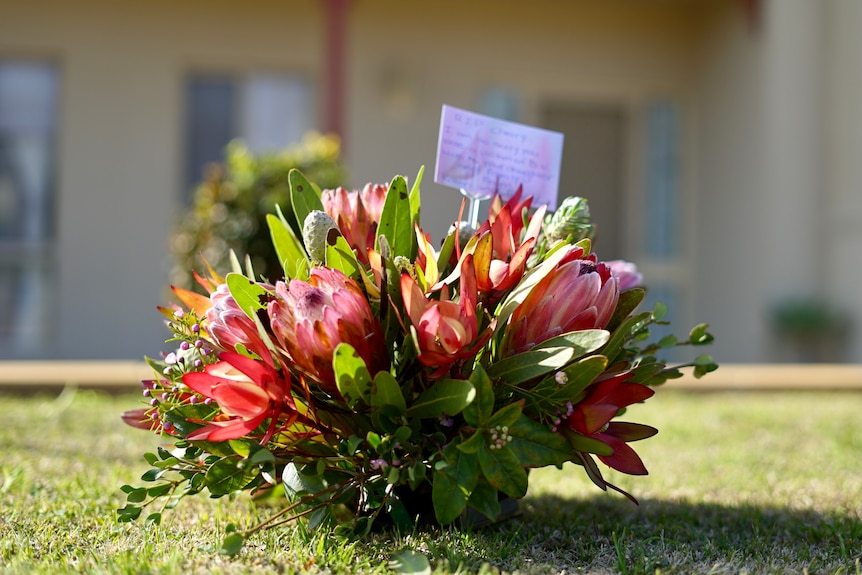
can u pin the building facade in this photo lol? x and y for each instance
(716, 141)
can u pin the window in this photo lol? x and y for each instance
(662, 182)
(268, 112)
(28, 127)
(663, 251)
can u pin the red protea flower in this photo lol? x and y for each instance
(357, 214)
(578, 294)
(248, 392)
(506, 223)
(592, 418)
(229, 325)
(309, 320)
(447, 331)
(501, 247)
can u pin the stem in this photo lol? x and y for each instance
(268, 522)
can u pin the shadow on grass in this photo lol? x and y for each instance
(603, 534)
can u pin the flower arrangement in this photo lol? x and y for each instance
(382, 380)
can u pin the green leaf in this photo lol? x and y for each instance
(445, 397)
(297, 483)
(137, 495)
(548, 356)
(629, 300)
(288, 248)
(398, 513)
(154, 518)
(228, 475)
(415, 201)
(537, 446)
(261, 455)
(485, 499)
(396, 220)
(452, 485)
(409, 562)
(446, 251)
(373, 439)
(699, 336)
(152, 474)
(506, 416)
(659, 311)
(521, 367)
(232, 544)
(704, 364)
(474, 443)
(340, 255)
(385, 392)
(504, 471)
(351, 375)
(482, 405)
(128, 513)
(159, 490)
(548, 394)
(241, 446)
(624, 333)
(246, 292)
(304, 196)
(582, 342)
(179, 416)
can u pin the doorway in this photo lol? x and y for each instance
(594, 165)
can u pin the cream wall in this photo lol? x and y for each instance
(779, 137)
(122, 67)
(840, 246)
(449, 52)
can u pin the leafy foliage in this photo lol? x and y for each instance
(401, 382)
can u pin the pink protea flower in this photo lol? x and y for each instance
(248, 392)
(578, 294)
(309, 320)
(357, 214)
(447, 331)
(628, 273)
(230, 326)
(592, 418)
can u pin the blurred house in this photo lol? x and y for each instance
(718, 141)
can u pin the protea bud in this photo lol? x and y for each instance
(229, 325)
(571, 220)
(628, 274)
(314, 231)
(357, 214)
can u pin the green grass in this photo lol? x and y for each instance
(740, 482)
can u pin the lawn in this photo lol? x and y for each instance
(740, 482)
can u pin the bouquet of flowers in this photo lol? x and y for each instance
(383, 379)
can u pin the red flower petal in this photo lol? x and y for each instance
(623, 459)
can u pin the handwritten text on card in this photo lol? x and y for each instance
(483, 155)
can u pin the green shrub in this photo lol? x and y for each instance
(229, 206)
